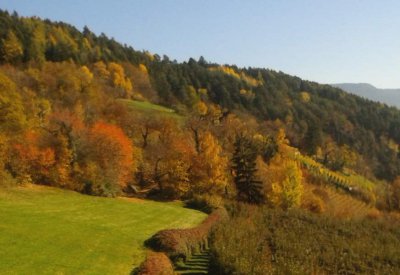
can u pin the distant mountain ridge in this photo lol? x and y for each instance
(389, 96)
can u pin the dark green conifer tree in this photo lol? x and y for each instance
(249, 189)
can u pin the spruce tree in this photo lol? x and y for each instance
(249, 189)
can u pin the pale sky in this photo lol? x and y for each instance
(319, 40)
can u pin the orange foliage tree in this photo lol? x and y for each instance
(32, 162)
(167, 157)
(173, 153)
(109, 161)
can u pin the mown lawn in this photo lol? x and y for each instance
(50, 231)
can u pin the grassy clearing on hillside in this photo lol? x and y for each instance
(50, 231)
(145, 106)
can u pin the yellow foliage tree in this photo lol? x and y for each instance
(283, 180)
(292, 187)
(62, 45)
(12, 48)
(101, 69)
(119, 80)
(210, 166)
(242, 75)
(177, 176)
(85, 76)
(143, 68)
(117, 74)
(12, 115)
(201, 108)
(305, 96)
(37, 47)
(281, 138)
(86, 73)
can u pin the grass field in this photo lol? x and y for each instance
(144, 105)
(155, 109)
(50, 231)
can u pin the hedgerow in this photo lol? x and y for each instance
(182, 243)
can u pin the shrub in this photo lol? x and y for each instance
(156, 264)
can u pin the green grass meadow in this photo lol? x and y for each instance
(147, 106)
(45, 230)
(153, 109)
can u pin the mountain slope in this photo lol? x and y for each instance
(390, 97)
(311, 114)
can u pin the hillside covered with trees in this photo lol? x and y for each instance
(313, 115)
(82, 112)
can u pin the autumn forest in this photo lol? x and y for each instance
(296, 177)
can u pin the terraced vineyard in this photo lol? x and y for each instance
(344, 205)
(354, 185)
(338, 203)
